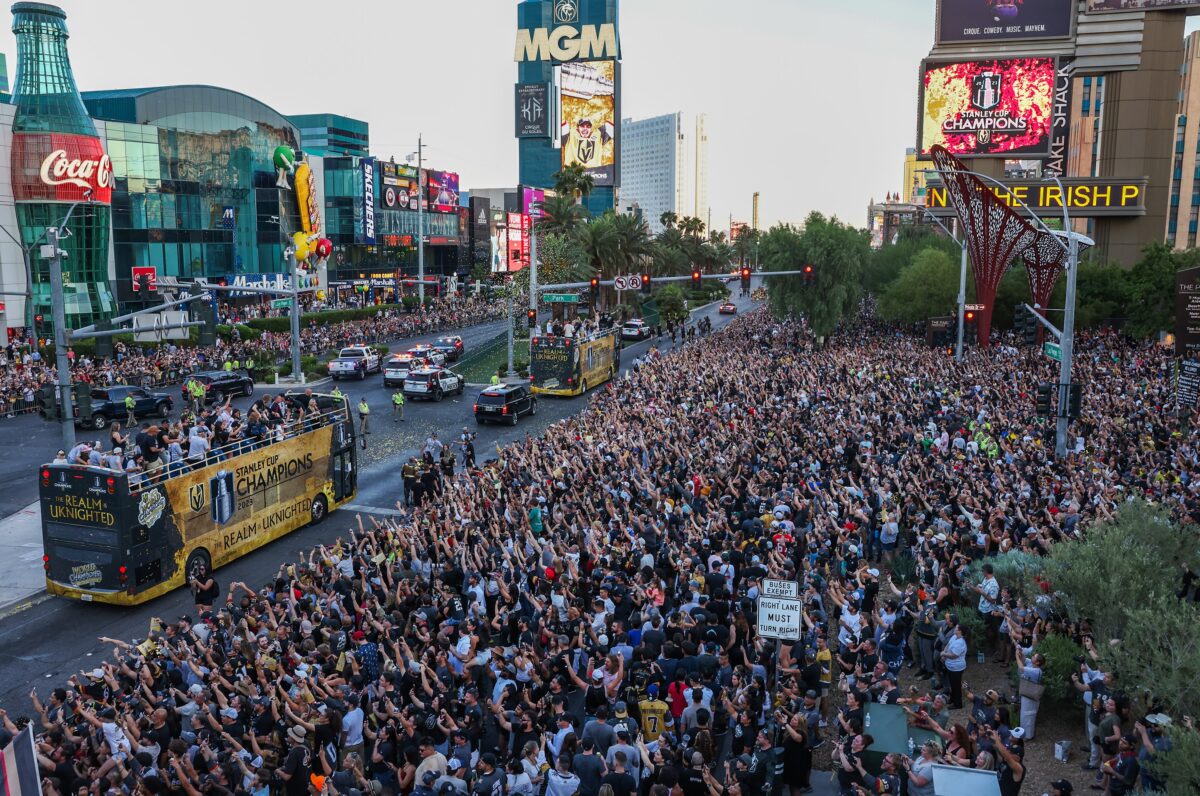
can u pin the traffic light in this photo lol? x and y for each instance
(104, 345)
(1019, 321)
(809, 274)
(1030, 331)
(48, 402)
(745, 279)
(202, 310)
(82, 393)
(1075, 401)
(646, 282)
(970, 326)
(1045, 399)
(531, 318)
(696, 278)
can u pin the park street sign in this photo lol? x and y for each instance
(1052, 350)
(779, 618)
(560, 298)
(773, 587)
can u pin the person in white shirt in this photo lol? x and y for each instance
(560, 780)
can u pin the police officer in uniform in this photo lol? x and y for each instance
(398, 406)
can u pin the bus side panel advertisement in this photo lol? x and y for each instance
(588, 118)
(223, 506)
(996, 108)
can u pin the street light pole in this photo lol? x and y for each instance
(297, 375)
(1067, 341)
(421, 221)
(61, 338)
(962, 284)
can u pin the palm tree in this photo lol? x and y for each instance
(561, 215)
(745, 244)
(692, 226)
(669, 219)
(633, 241)
(574, 181)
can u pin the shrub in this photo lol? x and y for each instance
(1014, 570)
(972, 625)
(1060, 653)
(904, 569)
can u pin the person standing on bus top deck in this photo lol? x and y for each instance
(398, 406)
(204, 588)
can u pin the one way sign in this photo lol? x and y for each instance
(779, 617)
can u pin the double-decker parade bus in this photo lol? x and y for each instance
(109, 537)
(573, 365)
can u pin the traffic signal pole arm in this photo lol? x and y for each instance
(90, 331)
(1037, 316)
(657, 279)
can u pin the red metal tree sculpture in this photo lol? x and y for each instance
(995, 234)
(1044, 259)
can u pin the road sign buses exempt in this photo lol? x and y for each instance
(779, 617)
(773, 587)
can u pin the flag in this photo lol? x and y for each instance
(19, 774)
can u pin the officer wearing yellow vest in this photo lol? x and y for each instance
(228, 366)
(398, 406)
(364, 420)
(130, 415)
(495, 379)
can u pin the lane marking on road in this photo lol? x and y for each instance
(37, 599)
(372, 510)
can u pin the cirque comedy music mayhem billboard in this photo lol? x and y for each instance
(1094, 6)
(588, 117)
(997, 108)
(1003, 20)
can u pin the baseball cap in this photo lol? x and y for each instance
(1062, 785)
(621, 710)
(429, 777)
(229, 713)
(1018, 733)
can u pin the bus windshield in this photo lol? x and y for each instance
(124, 538)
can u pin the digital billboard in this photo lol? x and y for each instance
(997, 108)
(1000, 20)
(443, 191)
(533, 110)
(398, 187)
(499, 236)
(587, 117)
(1094, 6)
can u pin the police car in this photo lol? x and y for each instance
(397, 368)
(428, 353)
(433, 383)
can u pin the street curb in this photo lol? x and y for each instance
(24, 603)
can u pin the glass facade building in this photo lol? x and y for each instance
(330, 134)
(194, 190)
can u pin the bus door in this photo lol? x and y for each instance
(344, 474)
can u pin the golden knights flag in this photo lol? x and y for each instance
(19, 766)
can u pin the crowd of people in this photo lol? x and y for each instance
(575, 614)
(23, 372)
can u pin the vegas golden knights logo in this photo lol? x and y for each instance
(586, 150)
(196, 497)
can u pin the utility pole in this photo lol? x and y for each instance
(962, 301)
(533, 285)
(1067, 345)
(508, 301)
(61, 338)
(295, 269)
(421, 220)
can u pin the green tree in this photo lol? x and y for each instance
(574, 181)
(561, 259)
(885, 263)
(926, 287)
(672, 306)
(669, 218)
(836, 252)
(1151, 289)
(1103, 294)
(561, 215)
(745, 245)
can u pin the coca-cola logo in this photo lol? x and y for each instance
(59, 169)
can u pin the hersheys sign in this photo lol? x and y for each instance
(61, 167)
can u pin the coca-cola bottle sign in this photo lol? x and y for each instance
(61, 167)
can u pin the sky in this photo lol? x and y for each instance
(809, 102)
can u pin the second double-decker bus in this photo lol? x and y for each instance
(109, 539)
(573, 365)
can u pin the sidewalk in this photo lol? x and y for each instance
(20, 553)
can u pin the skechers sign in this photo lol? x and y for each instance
(567, 43)
(368, 228)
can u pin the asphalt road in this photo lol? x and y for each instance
(28, 441)
(44, 644)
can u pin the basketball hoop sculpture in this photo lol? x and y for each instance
(994, 233)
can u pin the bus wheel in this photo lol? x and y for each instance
(199, 556)
(319, 509)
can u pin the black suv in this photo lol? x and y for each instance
(504, 403)
(108, 404)
(219, 383)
